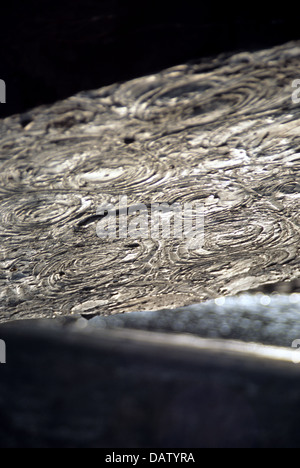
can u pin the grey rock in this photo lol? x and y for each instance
(223, 132)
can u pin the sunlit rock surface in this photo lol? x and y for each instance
(223, 132)
(271, 320)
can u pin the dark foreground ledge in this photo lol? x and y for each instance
(140, 389)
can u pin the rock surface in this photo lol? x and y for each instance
(223, 132)
(269, 320)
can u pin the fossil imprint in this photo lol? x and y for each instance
(223, 132)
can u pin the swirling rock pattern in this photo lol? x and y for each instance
(223, 132)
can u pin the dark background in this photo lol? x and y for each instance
(53, 49)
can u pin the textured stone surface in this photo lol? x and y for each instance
(223, 132)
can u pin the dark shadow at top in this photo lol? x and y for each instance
(53, 49)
